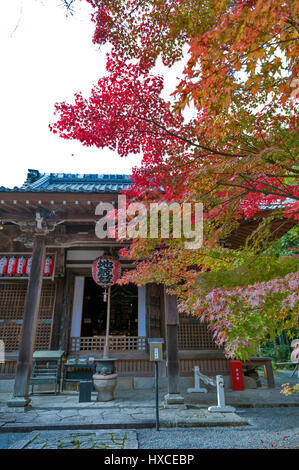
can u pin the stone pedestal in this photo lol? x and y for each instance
(221, 409)
(19, 402)
(174, 399)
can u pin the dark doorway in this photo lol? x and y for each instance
(124, 310)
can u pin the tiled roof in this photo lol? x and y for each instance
(71, 183)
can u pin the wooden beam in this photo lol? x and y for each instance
(45, 198)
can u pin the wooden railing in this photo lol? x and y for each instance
(116, 343)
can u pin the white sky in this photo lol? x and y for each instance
(46, 57)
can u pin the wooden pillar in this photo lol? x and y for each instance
(172, 351)
(54, 342)
(66, 307)
(30, 320)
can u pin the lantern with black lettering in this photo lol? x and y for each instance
(105, 271)
(21, 266)
(12, 266)
(3, 265)
(49, 265)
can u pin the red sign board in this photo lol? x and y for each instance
(236, 375)
(105, 271)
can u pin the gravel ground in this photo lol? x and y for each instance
(270, 428)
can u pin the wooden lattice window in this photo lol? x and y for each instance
(12, 303)
(47, 300)
(42, 340)
(195, 336)
(12, 299)
(10, 333)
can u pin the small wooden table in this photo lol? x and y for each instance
(263, 361)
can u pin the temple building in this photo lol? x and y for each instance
(48, 299)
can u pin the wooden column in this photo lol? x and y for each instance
(172, 353)
(54, 342)
(60, 292)
(24, 364)
(66, 308)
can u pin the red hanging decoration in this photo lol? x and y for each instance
(48, 267)
(21, 266)
(3, 265)
(12, 266)
(28, 267)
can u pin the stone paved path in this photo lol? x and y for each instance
(39, 418)
(133, 409)
(268, 428)
(113, 439)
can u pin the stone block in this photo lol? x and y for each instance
(144, 383)
(18, 403)
(227, 383)
(7, 386)
(149, 383)
(125, 383)
(163, 383)
(249, 382)
(185, 382)
(173, 399)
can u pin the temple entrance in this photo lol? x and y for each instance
(124, 310)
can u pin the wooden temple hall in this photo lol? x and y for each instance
(49, 301)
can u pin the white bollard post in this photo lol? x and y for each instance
(221, 407)
(197, 387)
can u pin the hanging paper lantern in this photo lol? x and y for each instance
(12, 266)
(28, 266)
(105, 271)
(21, 266)
(49, 265)
(3, 265)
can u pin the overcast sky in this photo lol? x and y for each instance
(46, 57)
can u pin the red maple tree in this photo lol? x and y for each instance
(238, 155)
